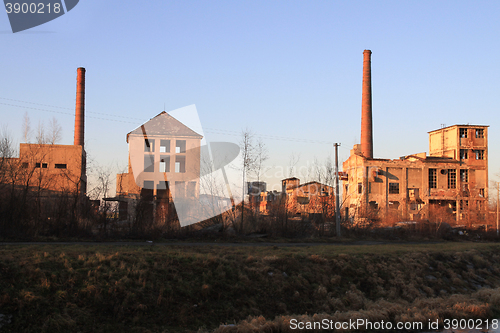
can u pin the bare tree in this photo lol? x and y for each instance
(55, 132)
(27, 131)
(292, 163)
(40, 134)
(247, 149)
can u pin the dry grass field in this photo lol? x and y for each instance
(108, 288)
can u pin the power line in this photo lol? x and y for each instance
(208, 130)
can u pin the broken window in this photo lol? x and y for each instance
(432, 178)
(149, 161)
(464, 176)
(147, 190)
(464, 154)
(373, 205)
(191, 190)
(44, 165)
(452, 178)
(479, 154)
(180, 164)
(149, 145)
(479, 133)
(60, 166)
(180, 189)
(37, 165)
(164, 146)
(180, 146)
(463, 132)
(464, 204)
(481, 192)
(393, 188)
(393, 204)
(360, 188)
(164, 163)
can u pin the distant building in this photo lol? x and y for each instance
(309, 198)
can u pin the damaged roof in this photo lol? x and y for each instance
(165, 125)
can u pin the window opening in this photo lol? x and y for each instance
(180, 146)
(149, 146)
(452, 178)
(393, 188)
(432, 178)
(164, 163)
(164, 146)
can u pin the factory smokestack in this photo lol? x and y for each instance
(80, 107)
(366, 108)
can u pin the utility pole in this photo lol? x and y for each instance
(337, 208)
(498, 201)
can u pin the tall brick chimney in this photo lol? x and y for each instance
(80, 107)
(366, 107)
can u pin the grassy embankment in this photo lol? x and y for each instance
(98, 288)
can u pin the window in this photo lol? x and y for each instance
(479, 154)
(147, 190)
(180, 164)
(393, 204)
(24, 165)
(149, 161)
(432, 178)
(180, 189)
(360, 188)
(164, 146)
(479, 133)
(149, 145)
(164, 163)
(180, 146)
(481, 192)
(393, 188)
(464, 204)
(452, 178)
(44, 165)
(191, 190)
(464, 176)
(463, 132)
(464, 154)
(148, 184)
(60, 166)
(37, 165)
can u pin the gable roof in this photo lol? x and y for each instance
(164, 124)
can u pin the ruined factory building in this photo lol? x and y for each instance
(454, 175)
(164, 164)
(452, 179)
(54, 169)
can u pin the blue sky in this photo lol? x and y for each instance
(289, 69)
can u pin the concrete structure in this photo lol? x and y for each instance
(309, 198)
(164, 161)
(54, 168)
(453, 177)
